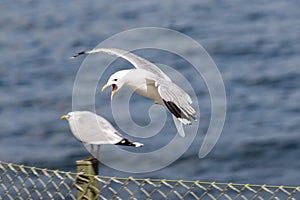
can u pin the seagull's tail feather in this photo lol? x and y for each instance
(178, 126)
(126, 142)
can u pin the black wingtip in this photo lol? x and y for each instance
(176, 111)
(125, 142)
(77, 54)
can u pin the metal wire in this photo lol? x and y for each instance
(24, 182)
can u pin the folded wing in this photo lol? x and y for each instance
(177, 101)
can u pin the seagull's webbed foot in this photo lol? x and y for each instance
(90, 158)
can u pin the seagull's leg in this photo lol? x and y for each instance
(91, 152)
(92, 149)
(98, 152)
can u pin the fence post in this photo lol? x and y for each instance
(86, 184)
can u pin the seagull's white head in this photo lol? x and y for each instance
(117, 81)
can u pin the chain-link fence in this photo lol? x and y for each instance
(23, 182)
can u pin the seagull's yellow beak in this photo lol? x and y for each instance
(64, 117)
(104, 87)
(114, 89)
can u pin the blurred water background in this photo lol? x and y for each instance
(255, 45)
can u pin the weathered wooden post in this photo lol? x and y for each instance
(86, 184)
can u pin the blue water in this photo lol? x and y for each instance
(255, 45)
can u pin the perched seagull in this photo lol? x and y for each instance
(151, 82)
(93, 129)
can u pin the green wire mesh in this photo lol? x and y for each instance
(23, 182)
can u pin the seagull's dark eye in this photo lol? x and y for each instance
(115, 79)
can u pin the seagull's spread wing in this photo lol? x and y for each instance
(137, 61)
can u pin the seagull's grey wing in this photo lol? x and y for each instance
(137, 61)
(176, 100)
(93, 129)
(113, 135)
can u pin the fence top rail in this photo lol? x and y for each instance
(32, 168)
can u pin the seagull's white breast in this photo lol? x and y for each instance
(146, 89)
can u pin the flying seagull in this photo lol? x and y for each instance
(151, 82)
(93, 129)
